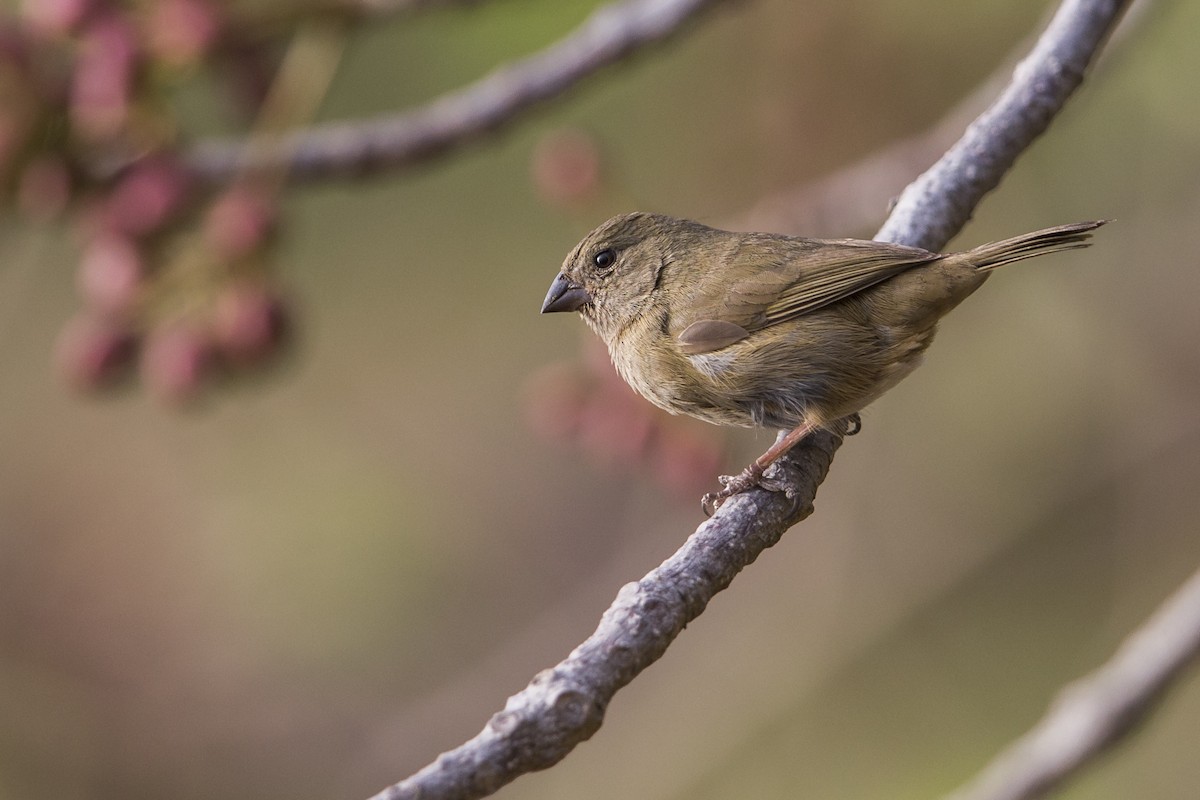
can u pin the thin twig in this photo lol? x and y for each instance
(1095, 711)
(565, 705)
(610, 34)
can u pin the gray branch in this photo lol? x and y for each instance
(1091, 714)
(847, 200)
(936, 206)
(565, 704)
(610, 34)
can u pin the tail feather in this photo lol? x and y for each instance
(1050, 240)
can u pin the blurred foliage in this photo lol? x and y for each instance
(315, 582)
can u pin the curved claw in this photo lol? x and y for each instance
(749, 478)
(730, 485)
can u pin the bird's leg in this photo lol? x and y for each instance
(752, 475)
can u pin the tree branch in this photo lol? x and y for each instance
(565, 705)
(935, 207)
(1091, 714)
(610, 34)
(848, 199)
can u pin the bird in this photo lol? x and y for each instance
(765, 330)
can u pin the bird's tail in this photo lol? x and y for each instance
(1028, 245)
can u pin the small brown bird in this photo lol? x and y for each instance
(764, 330)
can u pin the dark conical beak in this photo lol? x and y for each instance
(565, 296)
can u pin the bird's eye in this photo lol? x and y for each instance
(605, 259)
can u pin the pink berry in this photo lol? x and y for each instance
(93, 352)
(180, 32)
(175, 362)
(147, 196)
(56, 18)
(555, 399)
(615, 425)
(102, 84)
(683, 461)
(566, 167)
(239, 223)
(249, 323)
(110, 274)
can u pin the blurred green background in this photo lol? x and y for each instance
(313, 585)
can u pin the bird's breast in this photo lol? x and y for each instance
(702, 386)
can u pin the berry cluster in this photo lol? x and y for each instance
(172, 274)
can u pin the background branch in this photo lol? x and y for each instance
(565, 705)
(610, 34)
(1091, 714)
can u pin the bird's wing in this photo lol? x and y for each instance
(774, 282)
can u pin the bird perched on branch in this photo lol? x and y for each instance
(765, 330)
